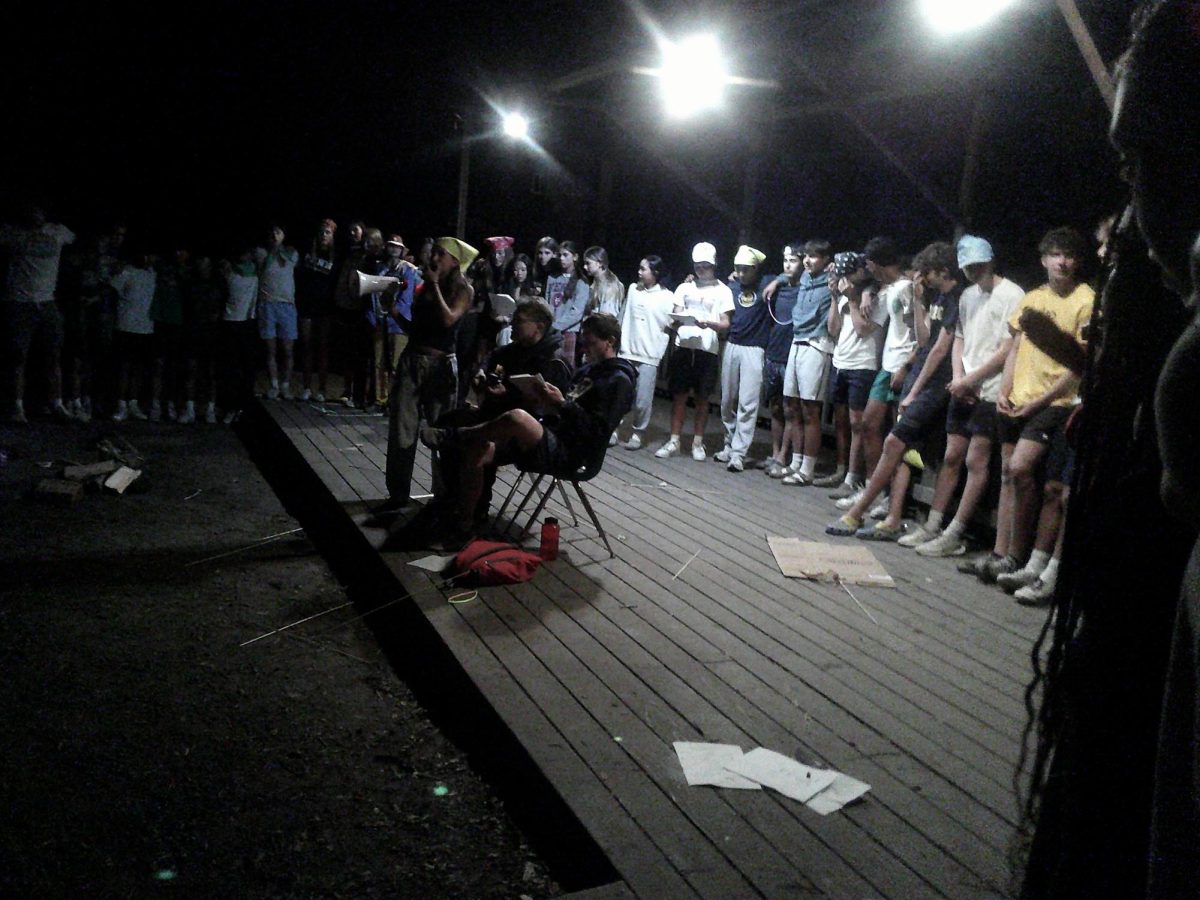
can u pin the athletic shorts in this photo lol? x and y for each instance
(137, 349)
(1060, 458)
(881, 390)
(773, 373)
(25, 320)
(970, 420)
(547, 455)
(927, 411)
(852, 387)
(807, 373)
(168, 340)
(277, 319)
(692, 370)
(1039, 428)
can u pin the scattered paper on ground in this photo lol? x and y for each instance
(709, 764)
(851, 563)
(435, 564)
(782, 773)
(843, 790)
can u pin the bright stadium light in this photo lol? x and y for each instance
(956, 16)
(516, 125)
(693, 75)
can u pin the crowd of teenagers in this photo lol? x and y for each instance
(913, 354)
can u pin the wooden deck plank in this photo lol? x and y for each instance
(926, 706)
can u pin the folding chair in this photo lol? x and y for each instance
(574, 478)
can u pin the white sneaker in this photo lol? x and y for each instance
(916, 536)
(79, 412)
(612, 439)
(634, 442)
(230, 417)
(945, 544)
(155, 412)
(723, 455)
(320, 398)
(736, 464)
(273, 392)
(847, 502)
(122, 412)
(1037, 594)
(135, 412)
(880, 509)
(699, 454)
(670, 448)
(210, 414)
(1014, 581)
(306, 396)
(188, 416)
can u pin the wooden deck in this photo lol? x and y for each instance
(597, 665)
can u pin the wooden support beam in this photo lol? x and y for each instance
(1083, 39)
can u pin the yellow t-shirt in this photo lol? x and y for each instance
(1035, 372)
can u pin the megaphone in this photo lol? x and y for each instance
(362, 284)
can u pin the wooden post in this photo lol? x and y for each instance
(966, 190)
(464, 177)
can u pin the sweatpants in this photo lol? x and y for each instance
(741, 386)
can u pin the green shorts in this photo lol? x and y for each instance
(881, 389)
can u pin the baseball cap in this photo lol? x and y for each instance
(704, 252)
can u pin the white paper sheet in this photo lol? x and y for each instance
(435, 564)
(708, 764)
(782, 773)
(843, 790)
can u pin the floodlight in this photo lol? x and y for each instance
(955, 16)
(693, 75)
(516, 125)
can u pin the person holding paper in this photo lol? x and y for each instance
(645, 321)
(708, 303)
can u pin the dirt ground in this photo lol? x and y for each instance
(143, 750)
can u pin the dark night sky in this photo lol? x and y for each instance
(200, 120)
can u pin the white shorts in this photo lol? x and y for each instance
(807, 373)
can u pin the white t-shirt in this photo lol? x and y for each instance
(646, 315)
(277, 275)
(706, 304)
(983, 326)
(854, 351)
(243, 291)
(33, 265)
(897, 299)
(135, 293)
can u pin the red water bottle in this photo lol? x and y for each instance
(549, 548)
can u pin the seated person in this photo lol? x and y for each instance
(576, 425)
(535, 350)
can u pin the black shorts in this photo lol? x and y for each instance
(137, 349)
(168, 340)
(1060, 458)
(1039, 428)
(692, 370)
(547, 455)
(927, 411)
(970, 420)
(24, 321)
(773, 382)
(852, 387)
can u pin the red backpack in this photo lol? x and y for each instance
(494, 562)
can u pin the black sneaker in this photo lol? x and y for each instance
(976, 564)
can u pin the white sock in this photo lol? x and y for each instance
(933, 522)
(797, 460)
(275, 383)
(1049, 575)
(853, 478)
(1037, 562)
(956, 529)
(697, 440)
(675, 438)
(191, 407)
(808, 466)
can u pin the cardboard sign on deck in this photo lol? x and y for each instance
(849, 563)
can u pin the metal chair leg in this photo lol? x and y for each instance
(595, 521)
(562, 492)
(541, 505)
(532, 490)
(508, 499)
